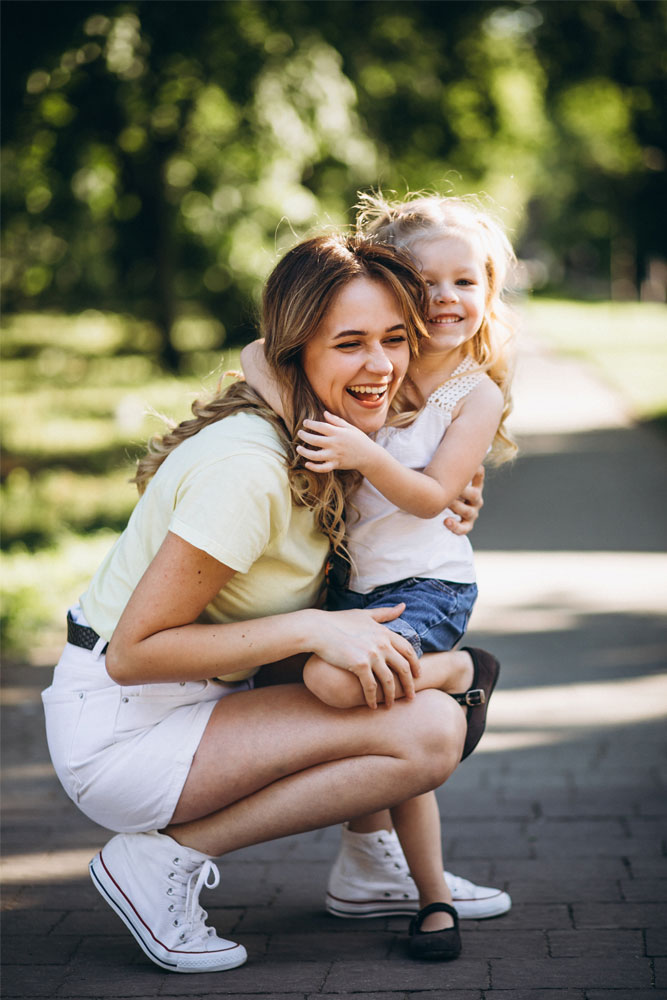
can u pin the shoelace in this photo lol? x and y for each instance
(393, 850)
(189, 915)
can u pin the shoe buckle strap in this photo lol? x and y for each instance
(472, 698)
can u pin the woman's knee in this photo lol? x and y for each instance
(437, 733)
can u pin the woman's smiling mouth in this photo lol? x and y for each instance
(368, 394)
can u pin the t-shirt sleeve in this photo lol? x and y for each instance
(233, 508)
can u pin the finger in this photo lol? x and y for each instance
(317, 426)
(369, 687)
(385, 678)
(387, 614)
(408, 653)
(458, 527)
(311, 438)
(471, 497)
(334, 419)
(402, 674)
(459, 507)
(317, 455)
(321, 466)
(478, 479)
(465, 511)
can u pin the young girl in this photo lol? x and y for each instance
(454, 406)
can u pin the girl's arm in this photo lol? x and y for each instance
(259, 377)
(157, 638)
(424, 494)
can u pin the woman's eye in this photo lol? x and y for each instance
(399, 338)
(347, 344)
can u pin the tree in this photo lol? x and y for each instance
(158, 156)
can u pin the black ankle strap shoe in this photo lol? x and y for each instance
(437, 946)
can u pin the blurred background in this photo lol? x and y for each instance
(159, 157)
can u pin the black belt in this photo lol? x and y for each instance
(82, 635)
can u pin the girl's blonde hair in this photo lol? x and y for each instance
(297, 295)
(402, 224)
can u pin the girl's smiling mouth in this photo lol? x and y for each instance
(445, 320)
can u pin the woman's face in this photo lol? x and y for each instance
(359, 355)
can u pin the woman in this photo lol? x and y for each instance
(229, 529)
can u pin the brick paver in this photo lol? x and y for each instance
(563, 806)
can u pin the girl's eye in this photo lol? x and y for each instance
(465, 281)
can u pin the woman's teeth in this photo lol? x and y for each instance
(367, 390)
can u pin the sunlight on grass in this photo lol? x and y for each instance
(37, 588)
(625, 341)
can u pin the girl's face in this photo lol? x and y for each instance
(453, 269)
(359, 355)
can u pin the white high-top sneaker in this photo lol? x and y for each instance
(153, 884)
(370, 878)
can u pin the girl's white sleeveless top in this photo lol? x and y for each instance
(385, 543)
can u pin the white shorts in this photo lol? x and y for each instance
(123, 753)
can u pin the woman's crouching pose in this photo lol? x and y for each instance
(217, 574)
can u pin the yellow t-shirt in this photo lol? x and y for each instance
(224, 490)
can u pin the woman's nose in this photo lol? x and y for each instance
(378, 362)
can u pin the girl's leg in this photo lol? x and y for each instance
(451, 672)
(277, 761)
(417, 823)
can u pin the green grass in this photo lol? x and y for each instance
(76, 391)
(81, 396)
(625, 341)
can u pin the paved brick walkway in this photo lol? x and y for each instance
(564, 805)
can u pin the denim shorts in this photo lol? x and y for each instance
(436, 611)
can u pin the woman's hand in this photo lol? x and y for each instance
(356, 641)
(468, 505)
(335, 444)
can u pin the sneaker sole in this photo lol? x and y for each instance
(467, 909)
(109, 891)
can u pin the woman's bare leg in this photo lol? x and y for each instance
(276, 762)
(417, 823)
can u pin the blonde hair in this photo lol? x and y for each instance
(402, 224)
(297, 295)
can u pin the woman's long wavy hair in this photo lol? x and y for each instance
(403, 224)
(297, 295)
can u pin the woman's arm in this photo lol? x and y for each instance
(259, 377)
(157, 638)
(468, 505)
(424, 494)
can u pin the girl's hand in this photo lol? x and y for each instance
(356, 640)
(339, 445)
(468, 505)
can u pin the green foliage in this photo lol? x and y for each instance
(157, 157)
